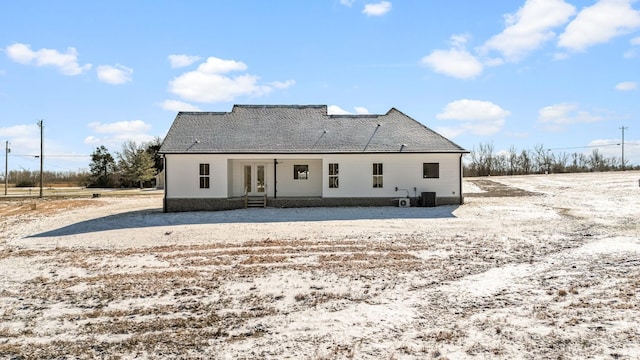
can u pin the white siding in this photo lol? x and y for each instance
(183, 176)
(399, 170)
(288, 186)
(355, 175)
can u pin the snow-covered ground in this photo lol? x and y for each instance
(544, 266)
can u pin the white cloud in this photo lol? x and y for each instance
(19, 131)
(630, 54)
(208, 84)
(67, 63)
(209, 88)
(529, 28)
(611, 148)
(216, 65)
(176, 106)
(361, 110)
(116, 133)
(114, 75)
(599, 23)
(475, 110)
(377, 9)
(25, 140)
(633, 52)
(626, 86)
(133, 126)
(459, 40)
(477, 117)
(347, 2)
(282, 84)
(557, 117)
(336, 110)
(457, 63)
(178, 61)
(89, 140)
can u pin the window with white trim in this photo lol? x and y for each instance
(204, 176)
(430, 170)
(377, 175)
(333, 176)
(300, 172)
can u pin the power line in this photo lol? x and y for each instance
(54, 155)
(583, 147)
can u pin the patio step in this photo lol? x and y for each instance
(256, 202)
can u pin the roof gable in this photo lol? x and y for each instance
(300, 129)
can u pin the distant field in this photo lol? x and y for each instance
(50, 191)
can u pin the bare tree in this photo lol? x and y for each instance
(486, 158)
(560, 162)
(543, 161)
(596, 160)
(525, 162)
(513, 159)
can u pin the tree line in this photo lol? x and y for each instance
(483, 161)
(135, 165)
(28, 178)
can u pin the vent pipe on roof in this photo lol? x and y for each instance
(194, 143)
(324, 132)
(371, 138)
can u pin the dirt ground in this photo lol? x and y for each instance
(529, 267)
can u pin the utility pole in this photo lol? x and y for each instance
(41, 153)
(623, 128)
(6, 166)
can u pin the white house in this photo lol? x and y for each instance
(298, 155)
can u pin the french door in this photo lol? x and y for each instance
(255, 179)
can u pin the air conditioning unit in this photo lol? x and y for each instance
(405, 202)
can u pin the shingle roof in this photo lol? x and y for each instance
(300, 129)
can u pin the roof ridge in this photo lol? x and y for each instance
(201, 112)
(276, 106)
(355, 115)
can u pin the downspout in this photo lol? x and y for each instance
(275, 179)
(461, 198)
(164, 198)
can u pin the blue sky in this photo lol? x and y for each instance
(562, 74)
